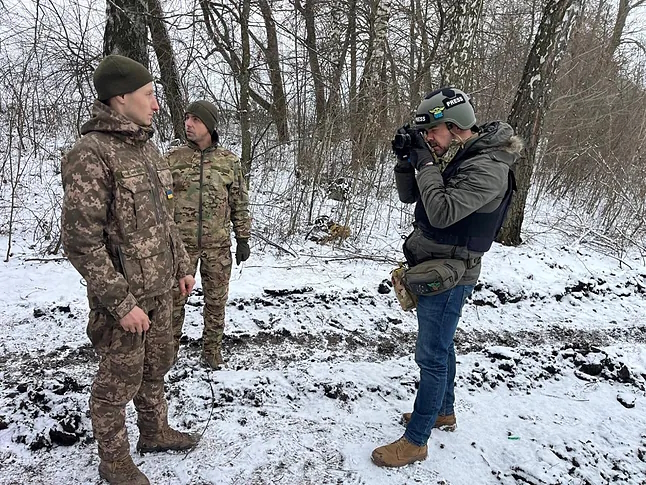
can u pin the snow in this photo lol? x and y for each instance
(320, 367)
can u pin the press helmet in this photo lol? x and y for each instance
(445, 105)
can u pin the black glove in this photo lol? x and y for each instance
(400, 153)
(420, 157)
(406, 141)
(417, 139)
(242, 250)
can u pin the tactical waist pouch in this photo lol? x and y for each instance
(407, 300)
(435, 276)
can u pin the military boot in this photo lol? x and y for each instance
(165, 440)
(122, 472)
(399, 453)
(213, 358)
(444, 423)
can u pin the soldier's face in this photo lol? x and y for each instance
(141, 105)
(439, 137)
(196, 130)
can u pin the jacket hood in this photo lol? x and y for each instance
(498, 136)
(106, 120)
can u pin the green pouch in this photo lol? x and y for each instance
(435, 276)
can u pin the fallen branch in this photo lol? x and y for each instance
(272, 243)
(379, 259)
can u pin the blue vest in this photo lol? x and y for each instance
(477, 231)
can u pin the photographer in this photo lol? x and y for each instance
(458, 214)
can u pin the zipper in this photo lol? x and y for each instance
(199, 210)
(122, 262)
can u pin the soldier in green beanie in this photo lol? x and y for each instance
(119, 234)
(210, 198)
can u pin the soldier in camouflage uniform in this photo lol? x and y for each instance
(210, 197)
(118, 233)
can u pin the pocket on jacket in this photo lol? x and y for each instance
(148, 260)
(108, 336)
(99, 329)
(138, 208)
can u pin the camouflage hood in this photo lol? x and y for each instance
(106, 120)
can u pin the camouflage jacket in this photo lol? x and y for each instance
(210, 196)
(116, 225)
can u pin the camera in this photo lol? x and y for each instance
(406, 138)
(402, 141)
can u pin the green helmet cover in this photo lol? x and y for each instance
(445, 105)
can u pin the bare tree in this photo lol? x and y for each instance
(532, 101)
(465, 20)
(126, 31)
(308, 12)
(272, 56)
(169, 76)
(624, 9)
(372, 89)
(245, 90)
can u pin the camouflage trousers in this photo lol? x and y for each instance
(215, 271)
(131, 367)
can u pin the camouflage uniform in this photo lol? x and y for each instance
(210, 196)
(118, 233)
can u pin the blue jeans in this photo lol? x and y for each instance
(437, 318)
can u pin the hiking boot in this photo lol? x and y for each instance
(165, 440)
(213, 358)
(122, 472)
(401, 452)
(443, 423)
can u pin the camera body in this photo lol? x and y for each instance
(407, 138)
(402, 141)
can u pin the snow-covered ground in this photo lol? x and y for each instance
(551, 374)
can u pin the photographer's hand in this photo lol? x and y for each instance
(420, 157)
(402, 154)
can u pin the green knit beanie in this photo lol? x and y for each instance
(205, 111)
(117, 75)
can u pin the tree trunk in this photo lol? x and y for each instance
(167, 67)
(465, 20)
(532, 101)
(353, 102)
(244, 80)
(337, 61)
(312, 55)
(422, 83)
(126, 30)
(371, 88)
(272, 55)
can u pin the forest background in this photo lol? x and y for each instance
(311, 92)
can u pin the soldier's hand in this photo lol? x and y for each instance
(242, 250)
(186, 285)
(135, 321)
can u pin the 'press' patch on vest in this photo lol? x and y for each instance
(451, 102)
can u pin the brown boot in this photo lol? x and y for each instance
(165, 440)
(122, 472)
(444, 423)
(213, 358)
(401, 452)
